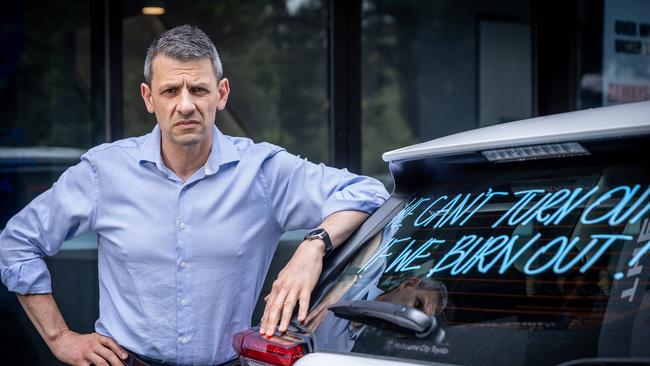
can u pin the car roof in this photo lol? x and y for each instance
(606, 122)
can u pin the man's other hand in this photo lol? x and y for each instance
(87, 349)
(294, 285)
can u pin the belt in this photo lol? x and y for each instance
(135, 359)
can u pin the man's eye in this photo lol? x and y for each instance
(169, 91)
(199, 90)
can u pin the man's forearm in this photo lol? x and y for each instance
(297, 280)
(340, 225)
(69, 347)
(44, 314)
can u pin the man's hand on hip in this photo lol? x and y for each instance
(87, 349)
(294, 285)
(69, 347)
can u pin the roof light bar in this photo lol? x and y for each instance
(535, 152)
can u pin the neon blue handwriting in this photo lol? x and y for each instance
(381, 253)
(456, 210)
(612, 208)
(549, 201)
(472, 251)
(396, 221)
(616, 206)
(404, 261)
(615, 214)
(461, 260)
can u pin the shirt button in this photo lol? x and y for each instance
(183, 264)
(185, 340)
(182, 226)
(183, 302)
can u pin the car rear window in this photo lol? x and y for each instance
(517, 266)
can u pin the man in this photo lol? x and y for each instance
(187, 221)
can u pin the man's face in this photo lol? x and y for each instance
(185, 97)
(425, 300)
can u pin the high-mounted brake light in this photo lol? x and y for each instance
(535, 152)
(281, 350)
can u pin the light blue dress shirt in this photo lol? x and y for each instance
(181, 264)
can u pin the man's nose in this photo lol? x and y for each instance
(186, 103)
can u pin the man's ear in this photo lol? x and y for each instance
(223, 90)
(145, 90)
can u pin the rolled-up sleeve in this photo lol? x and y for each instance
(58, 214)
(302, 194)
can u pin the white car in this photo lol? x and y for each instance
(523, 243)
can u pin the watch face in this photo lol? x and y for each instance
(321, 234)
(316, 232)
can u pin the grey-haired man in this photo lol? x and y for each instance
(187, 220)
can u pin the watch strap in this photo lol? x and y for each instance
(321, 234)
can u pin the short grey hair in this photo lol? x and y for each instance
(428, 283)
(184, 43)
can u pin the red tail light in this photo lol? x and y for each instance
(280, 350)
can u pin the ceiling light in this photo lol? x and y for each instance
(153, 7)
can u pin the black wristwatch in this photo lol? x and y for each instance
(321, 234)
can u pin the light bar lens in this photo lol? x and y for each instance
(257, 350)
(535, 152)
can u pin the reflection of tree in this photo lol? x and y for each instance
(384, 127)
(389, 87)
(275, 58)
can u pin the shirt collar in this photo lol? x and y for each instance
(223, 151)
(150, 149)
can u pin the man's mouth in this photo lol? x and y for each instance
(186, 123)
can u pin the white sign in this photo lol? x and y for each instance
(626, 51)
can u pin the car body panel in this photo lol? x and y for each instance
(592, 124)
(611, 135)
(330, 358)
